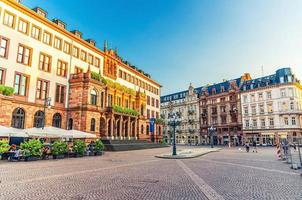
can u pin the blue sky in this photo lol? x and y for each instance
(198, 41)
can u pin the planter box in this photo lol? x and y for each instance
(58, 156)
(78, 155)
(99, 153)
(30, 159)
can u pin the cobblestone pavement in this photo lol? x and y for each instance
(228, 174)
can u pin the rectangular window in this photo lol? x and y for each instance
(282, 92)
(261, 109)
(120, 73)
(269, 108)
(285, 120)
(293, 121)
(35, 32)
(253, 110)
(2, 76)
(252, 98)
(262, 123)
(23, 26)
(97, 62)
(148, 114)
(20, 86)
(271, 122)
(254, 123)
(9, 19)
(24, 55)
(4, 43)
(83, 55)
(57, 43)
(90, 59)
(45, 62)
(60, 93)
(75, 52)
(157, 103)
(66, 48)
(268, 95)
(42, 89)
(246, 110)
(110, 99)
(148, 100)
(247, 123)
(47, 38)
(260, 96)
(62, 68)
(152, 102)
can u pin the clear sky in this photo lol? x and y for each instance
(198, 41)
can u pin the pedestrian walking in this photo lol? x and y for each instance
(255, 146)
(247, 147)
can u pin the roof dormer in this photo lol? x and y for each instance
(59, 23)
(40, 11)
(77, 33)
(91, 41)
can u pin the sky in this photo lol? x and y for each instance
(179, 42)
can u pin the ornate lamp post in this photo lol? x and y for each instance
(47, 104)
(211, 131)
(174, 120)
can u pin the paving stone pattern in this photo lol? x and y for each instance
(138, 175)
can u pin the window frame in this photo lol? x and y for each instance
(7, 46)
(56, 38)
(59, 69)
(78, 51)
(40, 32)
(69, 49)
(60, 94)
(3, 75)
(83, 53)
(27, 26)
(20, 81)
(43, 81)
(14, 19)
(49, 64)
(23, 54)
(50, 38)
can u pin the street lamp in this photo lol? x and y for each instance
(173, 121)
(211, 133)
(47, 103)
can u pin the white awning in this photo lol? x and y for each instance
(81, 134)
(11, 132)
(54, 132)
(47, 132)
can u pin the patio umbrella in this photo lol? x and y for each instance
(12, 132)
(48, 132)
(81, 134)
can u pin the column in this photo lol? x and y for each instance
(121, 127)
(135, 129)
(128, 127)
(111, 128)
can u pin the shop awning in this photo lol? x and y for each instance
(12, 132)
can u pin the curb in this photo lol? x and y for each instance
(185, 157)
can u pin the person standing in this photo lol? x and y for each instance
(255, 146)
(247, 147)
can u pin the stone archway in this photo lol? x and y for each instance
(103, 129)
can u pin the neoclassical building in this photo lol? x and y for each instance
(47, 70)
(185, 103)
(272, 108)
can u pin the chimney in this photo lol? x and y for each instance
(77, 33)
(59, 23)
(91, 41)
(40, 11)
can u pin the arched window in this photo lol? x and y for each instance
(57, 120)
(39, 119)
(92, 125)
(70, 124)
(18, 118)
(93, 97)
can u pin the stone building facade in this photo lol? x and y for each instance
(272, 108)
(84, 87)
(185, 103)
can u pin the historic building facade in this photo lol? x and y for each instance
(185, 103)
(87, 88)
(271, 108)
(220, 108)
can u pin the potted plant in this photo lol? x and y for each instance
(4, 147)
(98, 148)
(32, 149)
(79, 148)
(59, 149)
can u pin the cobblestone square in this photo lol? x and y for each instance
(228, 174)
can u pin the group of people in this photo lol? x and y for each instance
(254, 144)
